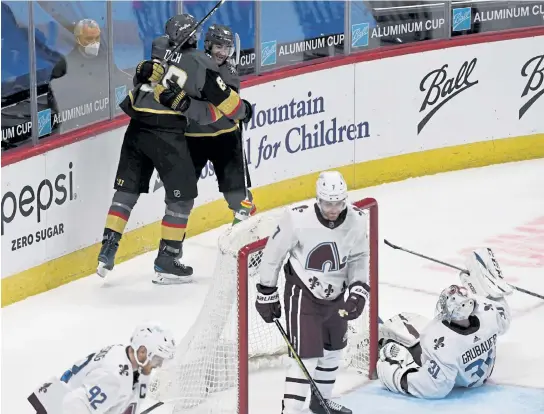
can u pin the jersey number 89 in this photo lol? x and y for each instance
(176, 75)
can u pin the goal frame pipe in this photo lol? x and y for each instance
(369, 204)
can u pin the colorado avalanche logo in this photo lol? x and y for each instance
(325, 258)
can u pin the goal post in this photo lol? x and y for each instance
(229, 340)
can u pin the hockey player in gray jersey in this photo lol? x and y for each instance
(155, 139)
(328, 249)
(458, 348)
(221, 142)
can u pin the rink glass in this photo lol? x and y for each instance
(273, 34)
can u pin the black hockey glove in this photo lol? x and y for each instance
(249, 112)
(149, 71)
(355, 303)
(174, 97)
(268, 303)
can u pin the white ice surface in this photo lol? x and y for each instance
(443, 215)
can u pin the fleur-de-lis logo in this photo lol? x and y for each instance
(439, 343)
(44, 387)
(123, 370)
(329, 291)
(314, 281)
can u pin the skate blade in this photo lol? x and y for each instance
(164, 279)
(101, 270)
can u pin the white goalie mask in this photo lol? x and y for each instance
(454, 304)
(331, 194)
(159, 343)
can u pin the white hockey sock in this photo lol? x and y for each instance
(326, 371)
(297, 386)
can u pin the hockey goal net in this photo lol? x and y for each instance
(228, 342)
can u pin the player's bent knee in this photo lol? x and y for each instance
(179, 207)
(125, 199)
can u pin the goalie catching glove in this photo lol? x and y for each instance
(485, 277)
(355, 303)
(394, 364)
(149, 71)
(268, 303)
(172, 97)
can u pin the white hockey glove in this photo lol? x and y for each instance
(394, 363)
(485, 278)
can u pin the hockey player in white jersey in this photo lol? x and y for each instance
(328, 249)
(458, 347)
(111, 381)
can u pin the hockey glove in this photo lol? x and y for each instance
(249, 112)
(485, 277)
(149, 71)
(394, 364)
(355, 304)
(268, 303)
(172, 97)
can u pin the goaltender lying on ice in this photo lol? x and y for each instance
(458, 347)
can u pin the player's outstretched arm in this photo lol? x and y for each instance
(486, 280)
(98, 394)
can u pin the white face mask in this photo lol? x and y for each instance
(92, 49)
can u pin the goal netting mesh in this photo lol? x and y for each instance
(229, 339)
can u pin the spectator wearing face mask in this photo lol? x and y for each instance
(79, 86)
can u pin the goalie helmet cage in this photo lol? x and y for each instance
(229, 339)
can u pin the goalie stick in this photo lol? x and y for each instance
(528, 292)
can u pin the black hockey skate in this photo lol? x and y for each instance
(334, 408)
(168, 269)
(106, 257)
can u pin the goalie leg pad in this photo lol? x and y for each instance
(404, 328)
(326, 371)
(297, 386)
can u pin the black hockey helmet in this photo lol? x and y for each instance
(219, 34)
(179, 27)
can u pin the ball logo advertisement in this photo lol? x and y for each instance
(533, 72)
(440, 86)
(427, 22)
(490, 16)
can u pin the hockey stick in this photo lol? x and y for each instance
(241, 126)
(528, 292)
(238, 51)
(313, 385)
